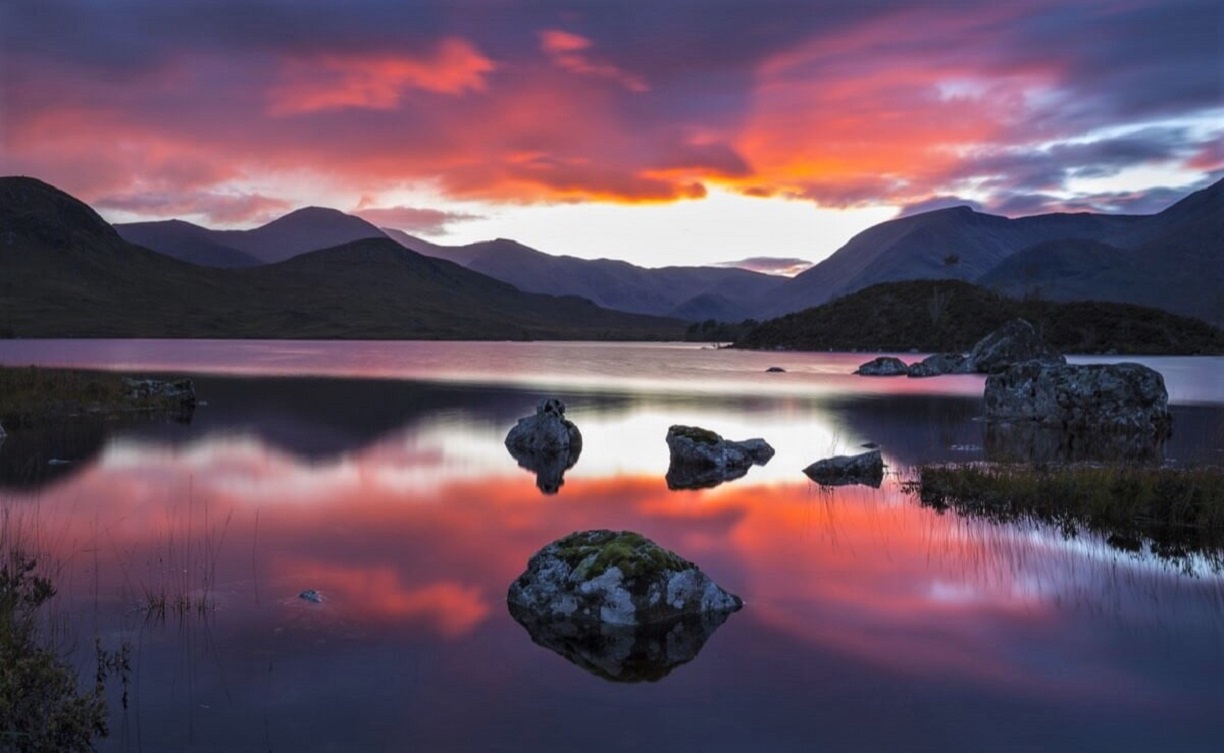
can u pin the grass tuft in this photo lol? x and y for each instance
(1179, 510)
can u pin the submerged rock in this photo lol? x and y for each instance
(1014, 342)
(940, 364)
(883, 366)
(701, 458)
(866, 468)
(615, 578)
(547, 443)
(620, 653)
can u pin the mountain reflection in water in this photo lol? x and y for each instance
(870, 621)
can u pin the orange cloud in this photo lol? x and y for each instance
(377, 81)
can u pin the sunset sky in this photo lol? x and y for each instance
(679, 132)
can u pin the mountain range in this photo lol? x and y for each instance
(68, 273)
(1171, 260)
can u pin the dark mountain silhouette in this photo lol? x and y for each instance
(956, 243)
(68, 273)
(1173, 260)
(691, 293)
(186, 242)
(1170, 260)
(299, 232)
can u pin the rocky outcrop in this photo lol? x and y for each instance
(176, 399)
(865, 468)
(619, 653)
(1122, 397)
(547, 443)
(1014, 342)
(883, 366)
(1048, 412)
(939, 364)
(700, 458)
(616, 578)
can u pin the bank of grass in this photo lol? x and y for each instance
(30, 395)
(33, 395)
(1180, 511)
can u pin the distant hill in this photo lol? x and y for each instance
(1172, 260)
(951, 315)
(185, 242)
(691, 293)
(299, 232)
(68, 273)
(956, 243)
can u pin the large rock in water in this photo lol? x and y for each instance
(883, 366)
(615, 578)
(1014, 342)
(1044, 412)
(548, 444)
(702, 458)
(865, 468)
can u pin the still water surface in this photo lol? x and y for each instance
(375, 474)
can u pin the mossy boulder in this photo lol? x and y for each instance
(615, 578)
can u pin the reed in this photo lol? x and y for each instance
(1178, 511)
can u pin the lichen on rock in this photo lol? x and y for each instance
(617, 578)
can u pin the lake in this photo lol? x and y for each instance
(375, 474)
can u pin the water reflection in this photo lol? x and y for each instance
(398, 502)
(619, 653)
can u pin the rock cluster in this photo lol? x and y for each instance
(866, 468)
(1014, 342)
(176, 398)
(547, 443)
(615, 578)
(701, 458)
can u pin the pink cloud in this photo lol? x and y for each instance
(378, 80)
(413, 219)
(568, 51)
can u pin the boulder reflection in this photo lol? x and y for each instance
(621, 653)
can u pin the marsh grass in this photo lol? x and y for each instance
(30, 395)
(1178, 511)
(182, 579)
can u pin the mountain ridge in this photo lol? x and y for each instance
(71, 274)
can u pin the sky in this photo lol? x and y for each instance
(687, 132)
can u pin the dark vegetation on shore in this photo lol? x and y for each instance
(1178, 511)
(950, 315)
(32, 396)
(42, 704)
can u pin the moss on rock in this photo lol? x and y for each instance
(592, 553)
(696, 433)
